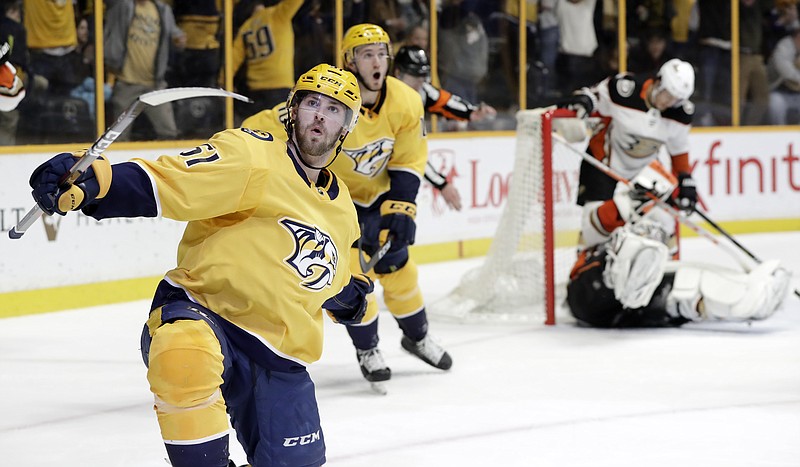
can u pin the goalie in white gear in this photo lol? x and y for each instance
(629, 281)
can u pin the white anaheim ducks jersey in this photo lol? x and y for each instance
(264, 246)
(633, 133)
(389, 136)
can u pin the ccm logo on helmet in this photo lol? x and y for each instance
(328, 78)
(301, 440)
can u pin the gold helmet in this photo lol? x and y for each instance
(333, 82)
(363, 34)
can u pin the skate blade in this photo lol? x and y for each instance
(378, 388)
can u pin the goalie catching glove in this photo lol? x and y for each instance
(93, 184)
(350, 305)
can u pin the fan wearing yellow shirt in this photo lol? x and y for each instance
(382, 164)
(266, 249)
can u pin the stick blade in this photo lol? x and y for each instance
(163, 96)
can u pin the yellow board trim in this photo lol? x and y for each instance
(30, 302)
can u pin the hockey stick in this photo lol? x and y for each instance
(671, 210)
(366, 266)
(127, 117)
(725, 234)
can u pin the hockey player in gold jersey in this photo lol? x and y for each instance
(266, 249)
(382, 164)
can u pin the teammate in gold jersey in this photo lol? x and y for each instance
(383, 162)
(266, 249)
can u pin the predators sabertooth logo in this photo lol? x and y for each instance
(371, 159)
(315, 256)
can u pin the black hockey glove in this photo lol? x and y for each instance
(686, 198)
(397, 220)
(350, 305)
(580, 103)
(92, 184)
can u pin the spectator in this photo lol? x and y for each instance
(52, 37)
(548, 46)
(647, 57)
(783, 17)
(137, 38)
(418, 35)
(714, 36)
(265, 42)
(784, 78)
(753, 84)
(463, 52)
(682, 40)
(85, 66)
(577, 43)
(198, 63)
(387, 14)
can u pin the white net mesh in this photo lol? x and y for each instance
(512, 284)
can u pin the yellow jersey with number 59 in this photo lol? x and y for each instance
(390, 135)
(264, 246)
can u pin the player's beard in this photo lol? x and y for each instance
(315, 148)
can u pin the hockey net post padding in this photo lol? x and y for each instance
(523, 277)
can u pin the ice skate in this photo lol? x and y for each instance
(372, 365)
(428, 351)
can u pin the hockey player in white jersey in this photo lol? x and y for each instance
(639, 115)
(623, 276)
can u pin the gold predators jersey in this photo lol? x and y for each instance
(271, 120)
(266, 42)
(264, 246)
(389, 136)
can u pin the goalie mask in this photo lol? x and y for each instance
(412, 60)
(677, 78)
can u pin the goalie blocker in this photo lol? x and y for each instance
(629, 282)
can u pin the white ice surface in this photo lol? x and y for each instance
(74, 391)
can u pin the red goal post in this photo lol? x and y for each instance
(523, 277)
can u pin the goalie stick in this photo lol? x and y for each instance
(725, 234)
(127, 117)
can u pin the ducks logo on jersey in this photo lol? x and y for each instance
(371, 159)
(315, 256)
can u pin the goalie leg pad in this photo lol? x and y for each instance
(634, 267)
(714, 292)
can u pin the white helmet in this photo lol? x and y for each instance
(677, 78)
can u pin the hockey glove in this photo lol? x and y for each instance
(350, 305)
(93, 184)
(686, 198)
(652, 180)
(582, 103)
(397, 220)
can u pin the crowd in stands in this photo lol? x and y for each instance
(154, 44)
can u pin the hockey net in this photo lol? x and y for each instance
(525, 272)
